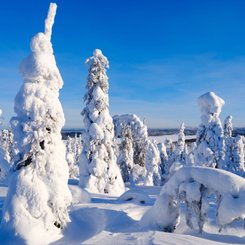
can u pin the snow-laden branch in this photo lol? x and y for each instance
(50, 20)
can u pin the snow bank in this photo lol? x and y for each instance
(79, 195)
(135, 196)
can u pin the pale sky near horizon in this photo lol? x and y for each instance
(163, 54)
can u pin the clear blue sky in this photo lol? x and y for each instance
(163, 54)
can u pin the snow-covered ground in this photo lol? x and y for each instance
(107, 220)
(173, 137)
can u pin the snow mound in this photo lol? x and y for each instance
(79, 195)
(210, 103)
(138, 197)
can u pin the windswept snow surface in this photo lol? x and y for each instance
(110, 220)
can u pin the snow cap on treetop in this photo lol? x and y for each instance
(40, 43)
(97, 55)
(210, 103)
(50, 20)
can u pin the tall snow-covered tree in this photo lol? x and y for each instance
(99, 171)
(7, 145)
(71, 154)
(229, 143)
(78, 147)
(210, 142)
(153, 161)
(170, 148)
(228, 126)
(164, 161)
(238, 156)
(38, 196)
(190, 156)
(178, 155)
(4, 154)
(126, 154)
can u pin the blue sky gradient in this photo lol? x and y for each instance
(163, 54)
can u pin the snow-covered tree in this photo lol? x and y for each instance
(192, 187)
(4, 154)
(237, 165)
(140, 143)
(190, 156)
(228, 126)
(170, 148)
(178, 155)
(78, 147)
(229, 143)
(126, 154)
(71, 155)
(7, 145)
(139, 134)
(98, 168)
(38, 196)
(164, 161)
(153, 161)
(210, 143)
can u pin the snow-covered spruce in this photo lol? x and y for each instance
(152, 164)
(238, 156)
(229, 143)
(139, 139)
(126, 154)
(4, 153)
(210, 142)
(178, 155)
(190, 154)
(228, 126)
(139, 134)
(7, 144)
(99, 172)
(73, 152)
(164, 161)
(38, 196)
(194, 185)
(170, 151)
